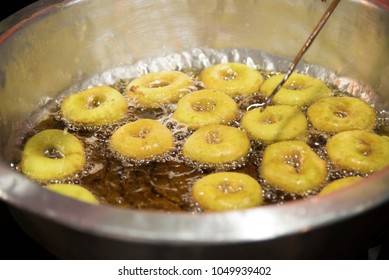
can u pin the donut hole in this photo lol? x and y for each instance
(158, 84)
(270, 118)
(53, 153)
(294, 160)
(204, 105)
(94, 101)
(228, 74)
(296, 85)
(363, 147)
(227, 187)
(340, 112)
(141, 133)
(213, 137)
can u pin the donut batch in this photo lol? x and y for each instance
(190, 141)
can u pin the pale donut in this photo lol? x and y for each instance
(232, 78)
(275, 123)
(227, 191)
(359, 150)
(339, 184)
(299, 90)
(293, 167)
(142, 139)
(206, 107)
(216, 144)
(99, 105)
(52, 154)
(160, 88)
(336, 114)
(74, 191)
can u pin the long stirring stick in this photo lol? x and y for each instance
(305, 47)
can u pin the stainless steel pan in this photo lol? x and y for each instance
(53, 46)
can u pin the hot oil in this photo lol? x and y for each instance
(164, 183)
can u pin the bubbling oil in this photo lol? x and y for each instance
(164, 182)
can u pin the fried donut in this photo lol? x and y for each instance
(216, 144)
(155, 89)
(99, 105)
(206, 107)
(339, 184)
(227, 191)
(336, 114)
(275, 123)
(293, 167)
(52, 154)
(299, 90)
(232, 78)
(74, 191)
(142, 139)
(359, 150)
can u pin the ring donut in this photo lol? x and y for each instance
(142, 139)
(336, 114)
(339, 184)
(206, 107)
(293, 167)
(227, 191)
(52, 154)
(217, 144)
(359, 150)
(155, 89)
(74, 191)
(275, 123)
(299, 90)
(99, 105)
(232, 78)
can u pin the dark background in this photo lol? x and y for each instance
(10, 232)
(9, 8)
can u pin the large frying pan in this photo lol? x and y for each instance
(52, 46)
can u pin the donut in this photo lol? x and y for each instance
(225, 191)
(336, 114)
(205, 107)
(358, 150)
(52, 154)
(299, 90)
(74, 191)
(142, 139)
(155, 89)
(100, 105)
(275, 123)
(232, 78)
(339, 184)
(293, 167)
(216, 144)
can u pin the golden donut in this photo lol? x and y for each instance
(275, 123)
(339, 184)
(155, 89)
(336, 114)
(206, 107)
(52, 154)
(293, 167)
(232, 78)
(216, 144)
(359, 150)
(299, 90)
(227, 191)
(142, 139)
(99, 105)
(74, 191)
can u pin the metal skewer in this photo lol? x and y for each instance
(305, 47)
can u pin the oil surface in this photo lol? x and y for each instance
(164, 183)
